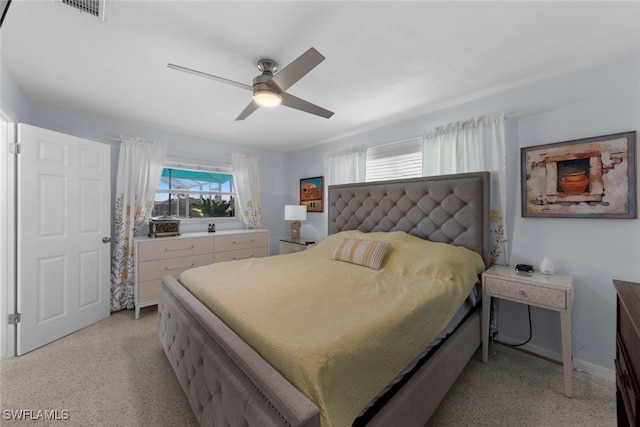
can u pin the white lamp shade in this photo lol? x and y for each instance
(295, 212)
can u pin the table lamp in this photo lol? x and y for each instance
(295, 214)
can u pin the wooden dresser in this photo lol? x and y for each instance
(162, 256)
(628, 353)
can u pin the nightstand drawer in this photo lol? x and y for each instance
(290, 248)
(526, 293)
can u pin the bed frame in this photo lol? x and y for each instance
(229, 384)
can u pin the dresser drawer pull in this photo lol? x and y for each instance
(179, 249)
(243, 243)
(624, 379)
(521, 292)
(179, 267)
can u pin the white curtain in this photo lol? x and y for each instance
(473, 145)
(246, 176)
(346, 166)
(139, 171)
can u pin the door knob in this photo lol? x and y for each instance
(106, 239)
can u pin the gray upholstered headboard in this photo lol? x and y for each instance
(447, 208)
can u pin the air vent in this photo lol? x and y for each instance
(90, 6)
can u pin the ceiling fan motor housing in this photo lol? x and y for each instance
(263, 82)
(265, 92)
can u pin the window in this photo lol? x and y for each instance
(396, 160)
(193, 191)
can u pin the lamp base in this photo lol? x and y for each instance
(295, 230)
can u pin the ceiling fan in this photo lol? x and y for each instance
(269, 88)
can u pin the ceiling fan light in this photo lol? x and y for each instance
(267, 98)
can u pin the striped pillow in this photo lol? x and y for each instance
(369, 253)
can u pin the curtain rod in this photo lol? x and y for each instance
(396, 142)
(119, 138)
(518, 114)
(173, 150)
(512, 114)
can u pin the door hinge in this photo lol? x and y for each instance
(15, 318)
(15, 148)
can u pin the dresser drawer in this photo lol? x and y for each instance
(526, 293)
(148, 291)
(233, 242)
(170, 267)
(626, 381)
(173, 248)
(242, 254)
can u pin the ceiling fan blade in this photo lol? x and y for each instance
(253, 106)
(293, 72)
(302, 105)
(209, 76)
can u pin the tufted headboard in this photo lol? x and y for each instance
(446, 208)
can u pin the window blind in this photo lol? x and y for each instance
(396, 160)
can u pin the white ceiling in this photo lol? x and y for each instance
(385, 61)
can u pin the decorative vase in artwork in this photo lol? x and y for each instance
(546, 266)
(574, 183)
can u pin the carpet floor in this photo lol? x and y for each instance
(114, 373)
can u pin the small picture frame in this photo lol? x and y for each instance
(583, 178)
(311, 193)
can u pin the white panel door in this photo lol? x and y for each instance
(7, 238)
(64, 213)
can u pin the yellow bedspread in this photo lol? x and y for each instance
(340, 332)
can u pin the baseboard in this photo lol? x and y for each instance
(595, 370)
(578, 364)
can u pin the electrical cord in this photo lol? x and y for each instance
(530, 330)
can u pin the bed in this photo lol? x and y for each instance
(228, 383)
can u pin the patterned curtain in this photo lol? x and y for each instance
(474, 145)
(246, 176)
(139, 171)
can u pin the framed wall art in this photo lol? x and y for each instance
(311, 193)
(583, 178)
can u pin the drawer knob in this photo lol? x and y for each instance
(521, 292)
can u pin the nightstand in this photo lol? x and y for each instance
(553, 292)
(289, 246)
